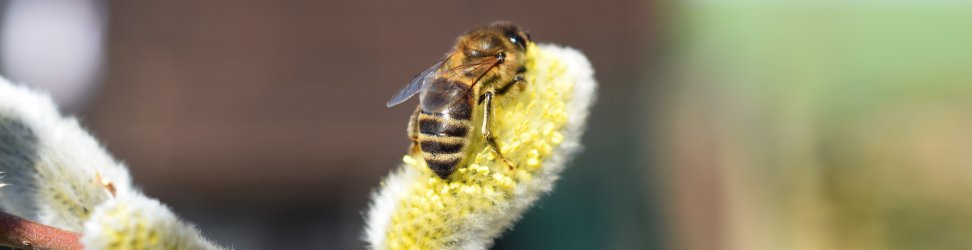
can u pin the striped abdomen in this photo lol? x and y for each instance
(443, 136)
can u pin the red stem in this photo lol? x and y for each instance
(23, 234)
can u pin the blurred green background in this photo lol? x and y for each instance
(719, 124)
(818, 125)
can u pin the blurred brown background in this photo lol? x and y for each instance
(264, 121)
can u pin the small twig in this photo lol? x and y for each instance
(23, 234)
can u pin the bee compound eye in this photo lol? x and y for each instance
(516, 39)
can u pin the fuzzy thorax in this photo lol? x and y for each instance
(538, 128)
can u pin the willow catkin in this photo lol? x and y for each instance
(537, 127)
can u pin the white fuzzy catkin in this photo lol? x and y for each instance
(59, 175)
(414, 209)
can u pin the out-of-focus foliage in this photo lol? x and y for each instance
(812, 125)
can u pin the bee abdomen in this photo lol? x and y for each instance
(442, 148)
(436, 126)
(443, 140)
(443, 164)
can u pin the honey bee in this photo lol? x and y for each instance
(485, 62)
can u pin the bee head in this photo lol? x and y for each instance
(498, 39)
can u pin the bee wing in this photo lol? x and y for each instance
(443, 91)
(414, 85)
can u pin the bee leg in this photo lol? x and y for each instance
(487, 123)
(413, 132)
(518, 78)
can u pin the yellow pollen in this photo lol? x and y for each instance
(528, 125)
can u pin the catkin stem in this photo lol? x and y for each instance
(23, 234)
